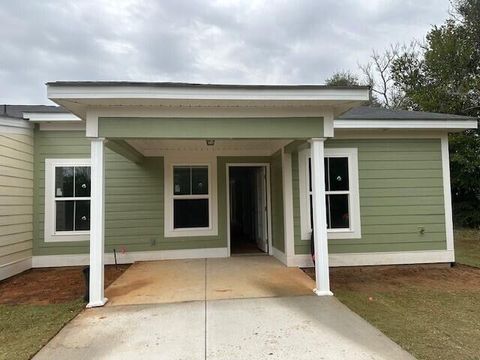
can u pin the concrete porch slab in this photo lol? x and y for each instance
(157, 282)
(169, 281)
(254, 277)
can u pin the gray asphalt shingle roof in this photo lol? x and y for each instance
(375, 113)
(357, 113)
(16, 111)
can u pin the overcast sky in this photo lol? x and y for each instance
(241, 41)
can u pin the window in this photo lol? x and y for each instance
(67, 199)
(190, 198)
(341, 193)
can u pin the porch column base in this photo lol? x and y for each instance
(95, 304)
(322, 292)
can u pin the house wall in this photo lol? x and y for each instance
(401, 190)
(400, 181)
(134, 200)
(16, 192)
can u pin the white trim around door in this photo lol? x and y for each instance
(269, 205)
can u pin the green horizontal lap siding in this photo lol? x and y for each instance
(401, 189)
(134, 201)
(16, 197)
(220, 128)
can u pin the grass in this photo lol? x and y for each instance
(467, 247)
(428, 324)
(25, 329)
(434, 314)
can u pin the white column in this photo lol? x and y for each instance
(97, 223)
(322, 274)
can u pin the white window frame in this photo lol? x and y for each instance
(354, 231)
(212, 229)
(50, 234)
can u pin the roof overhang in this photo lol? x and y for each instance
(450, 125)
(41, 117)
(78, 97)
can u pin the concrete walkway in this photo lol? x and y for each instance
(299, 327)
(236, 308)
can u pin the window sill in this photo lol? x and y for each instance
(72, 237)
(193, 232)
(337, 234)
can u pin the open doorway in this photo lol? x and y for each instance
(248, 209)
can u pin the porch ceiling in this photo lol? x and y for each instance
(158, 147)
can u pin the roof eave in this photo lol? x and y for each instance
(447, 124)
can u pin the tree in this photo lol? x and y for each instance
(445, 77)
(343, 78)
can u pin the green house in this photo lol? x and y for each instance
(153, 171)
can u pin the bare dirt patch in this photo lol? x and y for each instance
(394, 278)
(50, 285)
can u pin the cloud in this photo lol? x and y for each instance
(220, 41)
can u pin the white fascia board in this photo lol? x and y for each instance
(155, 92)
(50, 117)
(405, 124)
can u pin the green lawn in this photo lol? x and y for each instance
(432, 313)
(467, 247)
(24, 329)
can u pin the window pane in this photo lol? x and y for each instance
(63, 181)
(327, 204)
(190, 213)
(200, 180)
(181, 180)
(338, 211)
(64, 215)
(82, 215)
(82, 181)
(325, 163)
(338, 173)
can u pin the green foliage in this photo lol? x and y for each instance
(343, 78)
(445, 77)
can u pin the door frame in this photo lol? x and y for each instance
(268, 200)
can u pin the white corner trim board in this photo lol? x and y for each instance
(128, 257)
(447, 197)
(15, 267)
(378, 258)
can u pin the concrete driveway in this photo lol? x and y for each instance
(237, 308)
(299, 327)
